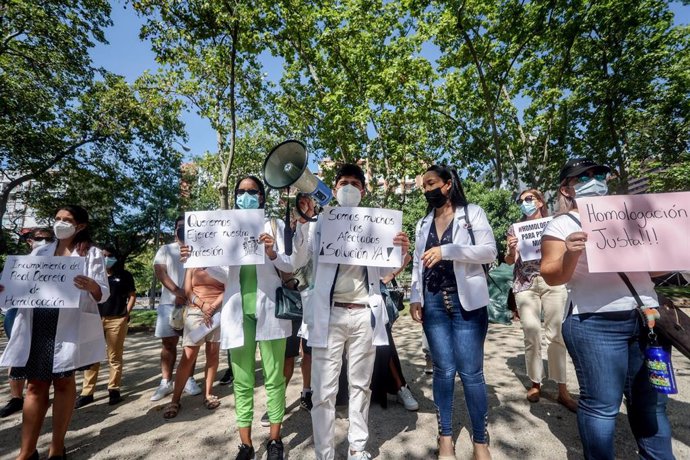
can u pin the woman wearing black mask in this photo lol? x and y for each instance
(449, 297)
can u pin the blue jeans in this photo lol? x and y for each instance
(608, 353)
(8, 322)
(456, 341)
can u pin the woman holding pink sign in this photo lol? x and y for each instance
(49, 344)
(603, 330)
(535, 298)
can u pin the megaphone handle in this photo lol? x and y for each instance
(287, 233)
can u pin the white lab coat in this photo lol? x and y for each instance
(467, 258)
(317, 300)
(268, 327)
(79, 339)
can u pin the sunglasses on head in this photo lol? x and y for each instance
(585, 177)
(240, 191)
(528, 198)
(42, 238)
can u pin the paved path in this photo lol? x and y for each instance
(135, 429)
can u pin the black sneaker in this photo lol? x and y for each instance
(15, 405)
(246, 453)
(227, 378)
(274, 449)
(114, 397)
(83, 401)
(305, 400)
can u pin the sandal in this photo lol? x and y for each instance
(212, 402)
(171, 410)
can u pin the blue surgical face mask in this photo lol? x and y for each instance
(110, 262)
(247, 201)
(593, 187)
(528, 208)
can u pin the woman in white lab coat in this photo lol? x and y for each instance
(48, 345)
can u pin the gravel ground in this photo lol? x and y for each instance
(135, 429)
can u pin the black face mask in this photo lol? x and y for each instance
(180, 233)
(435, 197)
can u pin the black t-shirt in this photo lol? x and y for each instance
(121, 284)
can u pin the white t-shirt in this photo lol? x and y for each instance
(350, 285)
(599, 292)
(169, 255)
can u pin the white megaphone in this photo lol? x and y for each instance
(286, 166)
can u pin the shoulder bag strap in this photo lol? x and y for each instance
(468, 225)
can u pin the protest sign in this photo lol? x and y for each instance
(360, 236)
(629, 233)
(227, 237)
(41, 282)
(528, 234)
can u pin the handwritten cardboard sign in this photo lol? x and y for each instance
(227, 237)
(528, 234)
(41, 282)
(360, 236)
(637, 232)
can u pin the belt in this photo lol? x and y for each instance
(349, 306)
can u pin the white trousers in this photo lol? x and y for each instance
(550, 300)
(349, 331)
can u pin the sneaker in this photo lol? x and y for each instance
(406, 399)
(163, 390)
(227, 378)
(274, 449)
(246, 453)
(264, 420)
(428, 366)
(83, 401)
(305, 400)
(361, 455)
(114, 397)
(15, 405)
(191, 387)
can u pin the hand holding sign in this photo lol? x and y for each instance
(528, 234)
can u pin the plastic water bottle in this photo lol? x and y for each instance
(658, 362)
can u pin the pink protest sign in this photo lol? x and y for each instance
(637, 233)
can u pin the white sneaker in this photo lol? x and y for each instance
(405, 397)
(361, 455)
(163, 390)
(191, 387)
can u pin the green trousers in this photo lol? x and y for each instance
(243, 366)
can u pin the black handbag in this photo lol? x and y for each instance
(673, 325)
(396, 294)
(288, 302)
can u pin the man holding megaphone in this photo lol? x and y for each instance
(344, 310)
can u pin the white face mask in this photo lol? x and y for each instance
(348, 196)
(592, 187)
(63, 230)
(38, 243)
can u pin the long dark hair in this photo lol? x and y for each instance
(119, 265)
(457, 193)
(259, 184)
(82, 240)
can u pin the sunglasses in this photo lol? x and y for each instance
(528, 198)
(240, 191)
(42, 238)
(585, 177)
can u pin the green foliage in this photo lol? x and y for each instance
(82, 134)
(499, 206)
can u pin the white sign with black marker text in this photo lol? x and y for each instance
(528, 234)
(227, 237)
(360, 236)
(41, 282)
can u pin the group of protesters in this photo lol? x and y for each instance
(347, 319)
